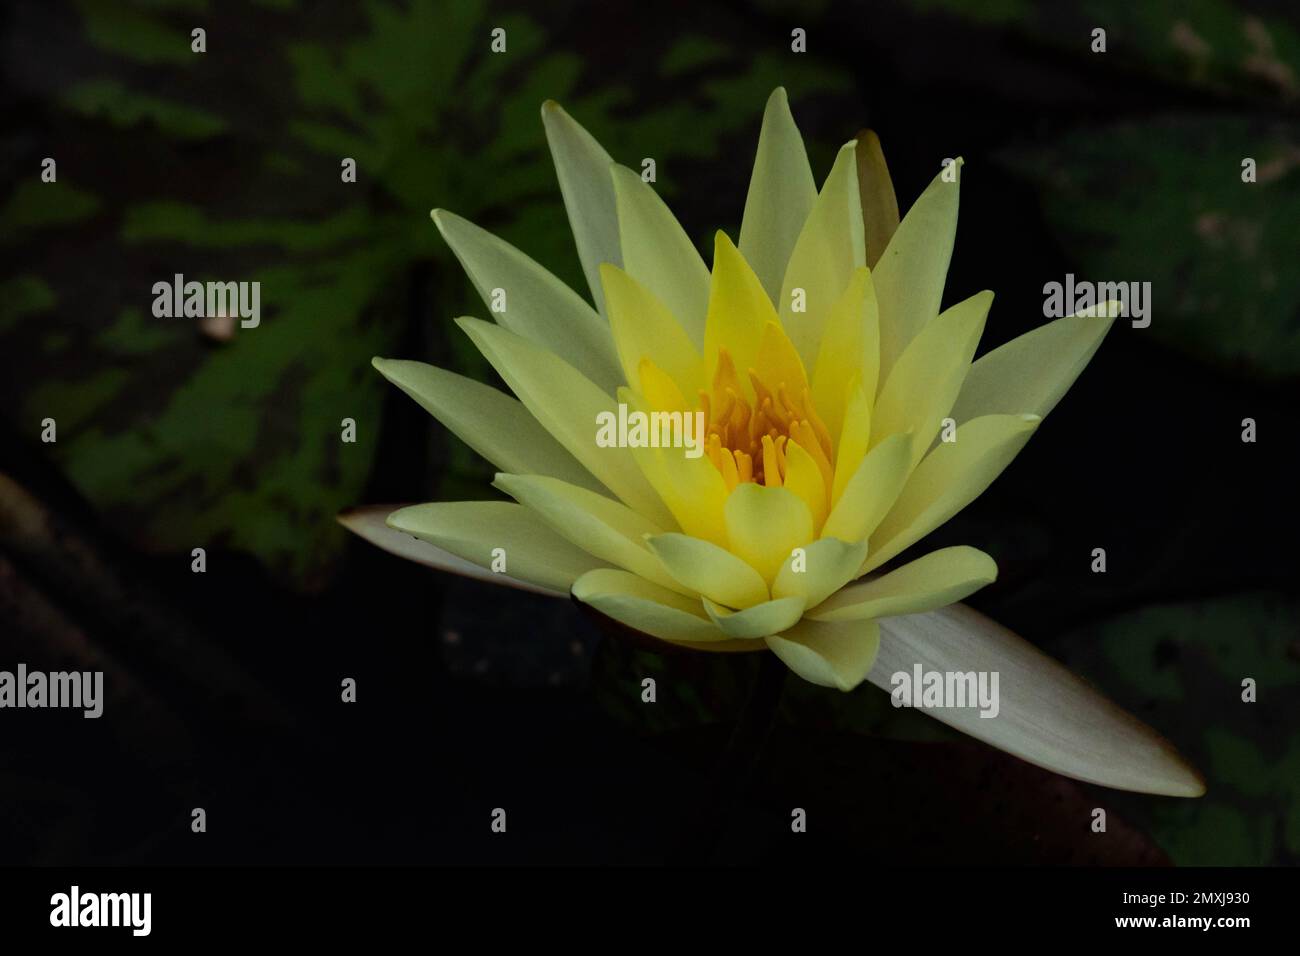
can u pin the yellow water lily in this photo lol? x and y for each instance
(842, 418)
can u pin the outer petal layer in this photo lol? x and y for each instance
(950, 478)
(781, 194)
(474, 530)
(1046, 715)
(935, 580)
(830, 655)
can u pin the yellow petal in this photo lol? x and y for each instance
(872, 491)
(876, 189)
(926, 379)
(761, 620)
(777, 363)
(1030, 373)
(827, 565)
(829, 248)
(658, 253)
(704, 568)
(850, 350)
(738, 311)
(604, 528)
(805, 478)
(568, 406)
(474, 530)
(854, 436)
(935, 580)
(693, 491)
(829, 655)
(489, 421)
(644, 328)
(582, 167)
(911, 272)
(765, 525)
(948, 479)
(781, 195)
(646, 607)
(660, 392)
(538, 306)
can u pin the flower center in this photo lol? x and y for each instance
(748, 439)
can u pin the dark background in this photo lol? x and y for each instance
(225, 687)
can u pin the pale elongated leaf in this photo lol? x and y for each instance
(370, 522)
(538, 306)
(658, 253)
(1030, 374)
(1046, 714)
(492, 423)
(582, 167)
(488, 532)
(911, 272)
(781, 195)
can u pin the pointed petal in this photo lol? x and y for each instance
(829, 248)
(781, 195)
(604, 528)
(371, 523)
(854, 436)
(911, 272)
(872, 490)
(704, 568)
(935, 580)
(778, 363)
(758, 621)
(1046, 715)
(538, 306)
(644, 328)
(692, 491)
(582, 167)
(948, 479)
(739, 310)
(567, 405)
(646, 607)
(804, 478)
(658, 253)
(876, 189)
(474, 530)
(849, 350)
(827, 565)
(1031, 372)
(765, 525)
(829, 655)
(490, 422)
(927, 377)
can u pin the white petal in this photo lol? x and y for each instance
(1046, 715)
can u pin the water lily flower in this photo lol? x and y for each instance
(844, 420)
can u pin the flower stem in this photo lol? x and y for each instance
(737, 764)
